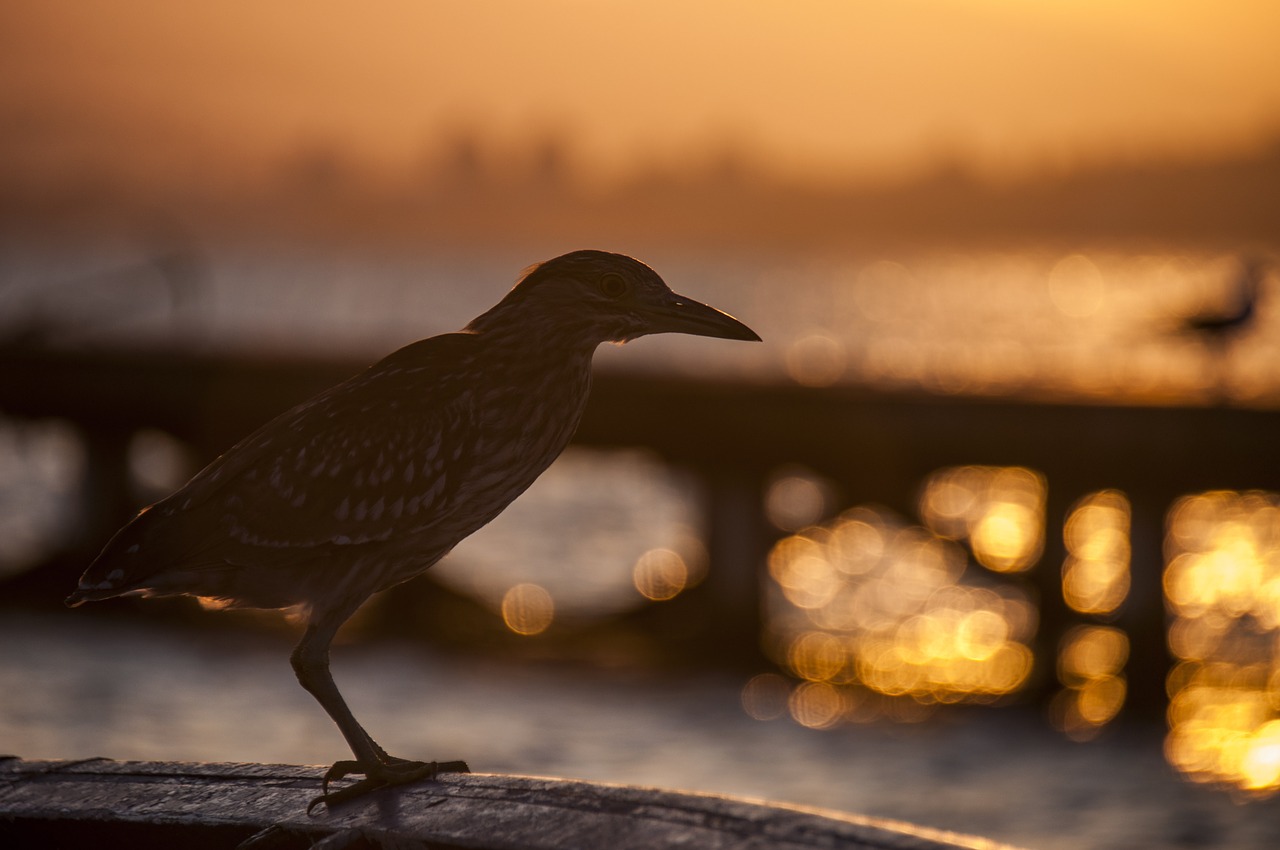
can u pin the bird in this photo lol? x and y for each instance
(1218, 328)
(1219, 331)
(374, 480)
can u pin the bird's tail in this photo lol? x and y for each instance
(149, 558)
(121, 569)
(100, 581)
(83, 594)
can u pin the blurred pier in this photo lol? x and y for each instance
(875, 447)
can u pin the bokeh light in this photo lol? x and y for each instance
(1222, 588)
(1000, 510)
(158, 463)
(43, 463)
(1095, 574)
(817, 705)
(527, 609)
(816, 359)
(795, 498)
(765, 696)
(1077, 287)
(660, 574)
(871, 614)
(1091, 659)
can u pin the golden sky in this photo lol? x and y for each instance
(817, 88)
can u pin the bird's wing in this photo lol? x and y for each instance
(361, 462)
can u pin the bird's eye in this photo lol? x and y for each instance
(613, 285)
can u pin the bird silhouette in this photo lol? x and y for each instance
(1218, 328)
(371, 482)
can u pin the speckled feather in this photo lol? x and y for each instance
(359, 473)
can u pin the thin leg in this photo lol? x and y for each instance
(310, 661)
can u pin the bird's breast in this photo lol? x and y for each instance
(518, 427)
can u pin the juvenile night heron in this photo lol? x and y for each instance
(374, 480)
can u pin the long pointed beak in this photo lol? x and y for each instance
(683, 315)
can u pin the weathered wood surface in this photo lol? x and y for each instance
(101, 803)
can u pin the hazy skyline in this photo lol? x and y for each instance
(843, 89)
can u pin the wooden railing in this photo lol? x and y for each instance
(104, 803)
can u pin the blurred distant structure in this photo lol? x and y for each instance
(171, 280)
(470, 193)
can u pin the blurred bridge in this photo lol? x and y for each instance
(875, 446)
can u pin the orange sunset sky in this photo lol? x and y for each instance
(813, 89)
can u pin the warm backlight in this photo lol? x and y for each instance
(874, 616)
(1222, 588)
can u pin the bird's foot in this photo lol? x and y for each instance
(382, 774)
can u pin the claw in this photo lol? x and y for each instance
(340, 770)
(342, 795)
(392, 771)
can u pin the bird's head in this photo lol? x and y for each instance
(591, 297)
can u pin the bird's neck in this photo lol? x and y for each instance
(530, 362)
(539, 329)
